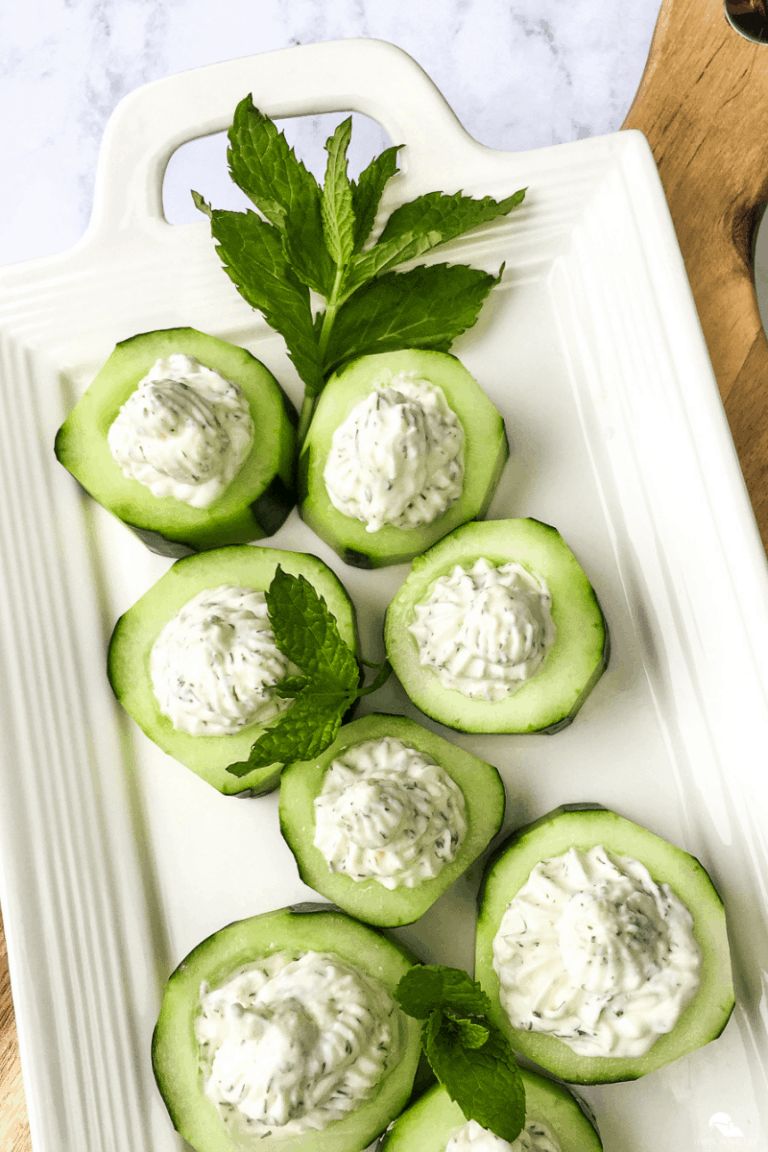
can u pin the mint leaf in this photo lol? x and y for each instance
(251, 251)
(446, 217)
(427, 307)
(201, 204)
(292, 686)
(302, 732)
(430, 986)
(337, 207)
(420, 225)
(484, 1081)
(306, 632)
(313, 266)
(367, 193)
(469, 1033)
(266, 168)
(470, 1056)
(385, 256)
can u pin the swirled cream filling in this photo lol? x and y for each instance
(485, 630)
(388, 811)
(292, 1043)
(184, 432)
(398, 457)
(591, 950)
(215, 664)
(472, 1137)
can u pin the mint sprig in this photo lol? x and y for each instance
(266, 168)
(319, 238)
(470, 1056)
(337, 202)
(416, 309)
(328, 682)
(255, 257)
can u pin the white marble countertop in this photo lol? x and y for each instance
(518, 73)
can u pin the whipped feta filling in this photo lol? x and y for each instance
(215, 664)
(398, 457)
(591, 950)
(535, 1137)
(291, 1043)
(485, 630)
(184, 432)
(388, 812)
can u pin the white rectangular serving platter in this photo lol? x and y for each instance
(116, 860)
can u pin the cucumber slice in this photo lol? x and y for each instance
(319, 928)
(585, 827)
(369, 900)
(428, 1124)
(137, 630)
(259, 497)
(485, 454)
(552, 697)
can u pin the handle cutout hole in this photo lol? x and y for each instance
(202, 163)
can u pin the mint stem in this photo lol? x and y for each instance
(333, 304)
(308, 406)
(382, 678)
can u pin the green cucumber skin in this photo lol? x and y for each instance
(161, 545)
(586, 825)
(428, 1124)
(368, 561)
(368, 900)
(255, 504)
(307, 927)
(138, 628)
(390, 545)
(501, 541)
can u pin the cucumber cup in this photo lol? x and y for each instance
(368, 899)
(176, 1053)
(584, 827)
(259, 497)
(137, 630)
(550, 699)
(485, 453)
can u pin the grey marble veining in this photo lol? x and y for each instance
(518, 73)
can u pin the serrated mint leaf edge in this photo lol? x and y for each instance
(337, 198)
(302, 732)
(437, 977)
(290, 601)
(367, 192)
(482, 1107)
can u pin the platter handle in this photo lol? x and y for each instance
(703, 105)
(360, 75)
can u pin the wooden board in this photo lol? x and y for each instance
(703, 104)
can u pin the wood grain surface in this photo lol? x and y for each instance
(14, 1129)
(703, 104)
